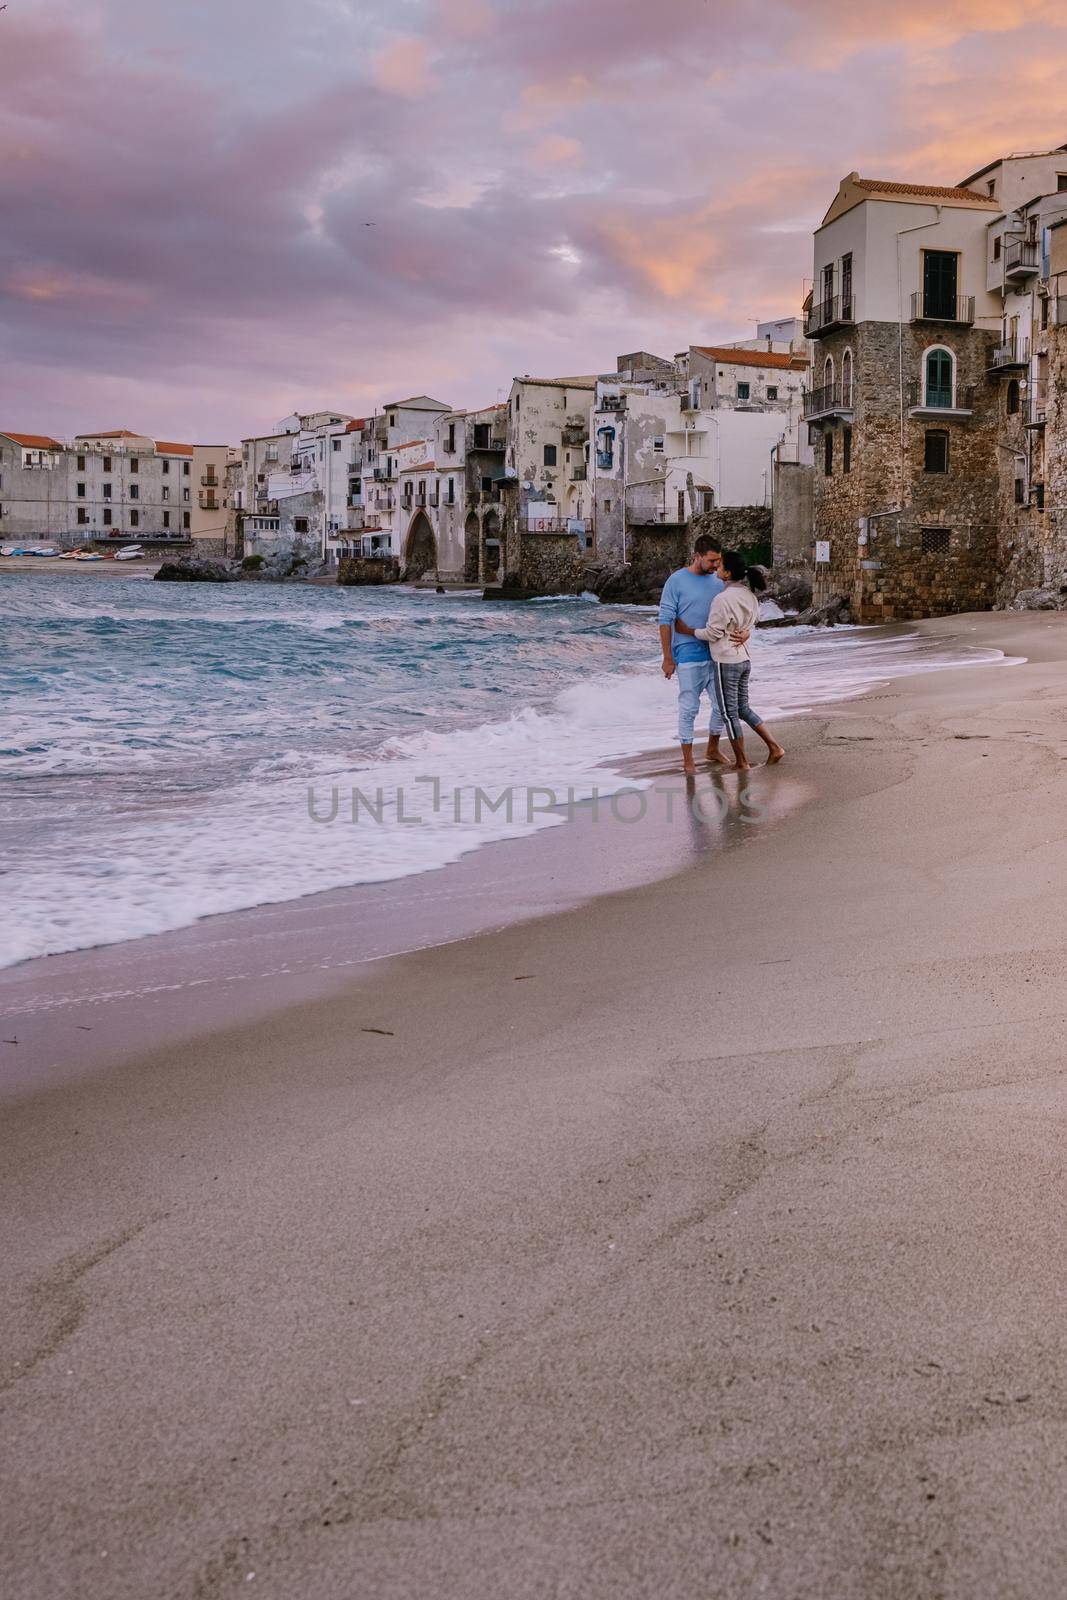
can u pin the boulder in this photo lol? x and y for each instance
(361, 571)
(193, 569)
(829, 615)
(792, 590)
(1039, 600)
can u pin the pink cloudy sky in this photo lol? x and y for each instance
(185, 186)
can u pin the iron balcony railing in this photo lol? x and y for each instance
(208, 480)
(1022, 257)
(829, 398)
(928, 398)
(928, 307)
(1010, 353)
(833, 313)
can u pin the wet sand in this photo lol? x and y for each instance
(704, 1239)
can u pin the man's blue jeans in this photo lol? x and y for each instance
(694, 679)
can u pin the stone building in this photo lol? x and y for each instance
(903, 417)
(1054, 564)
(112, 485)
(546, 498)
(1031, 191)
(297, 482)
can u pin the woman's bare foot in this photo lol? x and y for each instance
(713, 753)
(775, 753)
(742, 766)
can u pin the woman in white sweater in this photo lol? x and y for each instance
(735, 610)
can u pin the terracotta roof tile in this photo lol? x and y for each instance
(34, 441)
(107, 433)
(753, 358)
(165, 448)
(937, 191)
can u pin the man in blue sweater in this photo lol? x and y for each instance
(687, 597)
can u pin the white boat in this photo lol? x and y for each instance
(129, 552)
(45, 550)
(88, 555)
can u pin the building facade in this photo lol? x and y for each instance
(903, 420)
(114, 485)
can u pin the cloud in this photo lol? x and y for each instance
(186, 239)
(403, 68)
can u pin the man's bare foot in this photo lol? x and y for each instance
(776, 754)
(713, 753)
(742, 766)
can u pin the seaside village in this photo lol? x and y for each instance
(899, 448)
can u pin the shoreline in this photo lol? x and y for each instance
(703, 1237)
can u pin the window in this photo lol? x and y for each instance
(936, 541)
(846, 450)
(107, 518)
(828, 454)
(166, 519)
(940, 273)
(185, 465)
(996, 247)
(300, 524)
(772, 392)
(185, 521)
(1039, 496)
(185, 494)
(1011, 398)
(81, 463)
(607, 505)
(134, 465)
(743, 391)
(828, 283)
(451, 491)
(828, 372)
(135, 491)
(166, 465)
(337, 444)
(846, 285)
(681, 505)
(107, 491)
(83, 516)
(107, 463)
(935, 458)
(1020, 492)
(991, 186)
(550, 455)
(165, 492)
(939, 377)
(81, 491)
(135, 519)
(1044, 312)
(450, 441)
(1061, 182)
(846, 378)
(657, 444)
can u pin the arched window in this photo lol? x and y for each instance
(1011, 400)
(939, 370)
(828, 373)
(846, 378)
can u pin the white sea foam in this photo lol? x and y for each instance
(131, 825)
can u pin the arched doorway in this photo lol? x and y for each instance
(492, 562)
(420, 549)
(472, 534)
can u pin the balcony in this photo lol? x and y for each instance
(207, 500)
(1022, 258)
(579, 474)
(940, 402)
(957, 309)
(832, 400)
(1009, 356)
(687, 402)
(208, 480)
(828, 315)
(1034, 412)
(383, 475)
(483, 439)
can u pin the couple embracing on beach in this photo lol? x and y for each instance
(707, 612)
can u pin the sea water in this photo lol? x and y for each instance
(170, 751)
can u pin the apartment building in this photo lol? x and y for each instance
(545, 481)
(110, 485)
(902, 415)
(297, 484)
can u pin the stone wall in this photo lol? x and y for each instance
(1055, 554)
(794, 513)
(551, 563)
(355, 571)
(891, 574)
(748, 528)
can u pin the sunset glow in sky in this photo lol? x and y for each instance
(186, 188)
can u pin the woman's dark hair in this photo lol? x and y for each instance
(734, 563)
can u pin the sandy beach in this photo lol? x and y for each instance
(702, 1238)
(107, 568)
